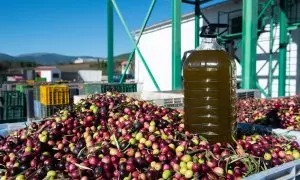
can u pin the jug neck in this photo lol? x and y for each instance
(209, 43)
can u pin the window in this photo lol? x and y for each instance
(38, 74)
(55, 75)
(237, 24)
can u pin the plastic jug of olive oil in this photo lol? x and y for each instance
(209, 85)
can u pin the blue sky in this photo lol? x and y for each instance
(71, 27)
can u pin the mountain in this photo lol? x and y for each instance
(6, 57)
(44, 58)
(54, 59)
(51, 58)
(122, 57)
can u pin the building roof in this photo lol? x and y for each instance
(76, 67)
(124, 62)
(41, 68)
(185, 17)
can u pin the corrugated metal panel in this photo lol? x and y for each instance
(90, 75)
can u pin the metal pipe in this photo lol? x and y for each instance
(110, 42)
(271, 43)
(188, 2)
(282, 49)
(139, 37)
(249, 40)
(204, 17)
(133, 42)
(293, 26)
(176, 44)
(264, 9)
(197, 23)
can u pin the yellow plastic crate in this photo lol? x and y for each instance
(54, 94)
(30, 81)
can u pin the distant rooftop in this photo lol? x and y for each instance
(45, 67)
(76, 67)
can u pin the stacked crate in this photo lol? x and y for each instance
(53, 98)
(28, 93)
(22, 87)
(104, 87)
(125, 87)
(39, 79)
(92, 88)
(29, 97)
(36, 102)
(73, 92)
(13, 107)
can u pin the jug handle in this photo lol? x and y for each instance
(184, 57)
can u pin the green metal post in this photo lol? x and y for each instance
(197, 23)
(249, 41)
(135, 46)
(271, 43)
(138, 40)
(282, 49)
(110, 41)
(289, 65)
(176, 44)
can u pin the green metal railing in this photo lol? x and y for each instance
(110, 47)
(138, 39)
(288, 19)
(285, 14)
(292, 11)
(176, 39)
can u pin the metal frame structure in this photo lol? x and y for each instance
(248, 36)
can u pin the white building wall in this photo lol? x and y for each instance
(156, 48)
(47, 75)
(90, 75)
(55, 70)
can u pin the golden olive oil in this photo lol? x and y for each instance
(210, 94)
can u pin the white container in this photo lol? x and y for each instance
(288, 133)
(287, 171)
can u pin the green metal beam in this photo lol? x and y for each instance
(195, 1)
(262, 90)
(110, 41)
(239, 35)
(176, 45)
(135, 46)
(271, 43)
(282, 50)
(197, 23)
(293, 26)
(234, 36)
(249, 40)
(265, 7)
(139, 37)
